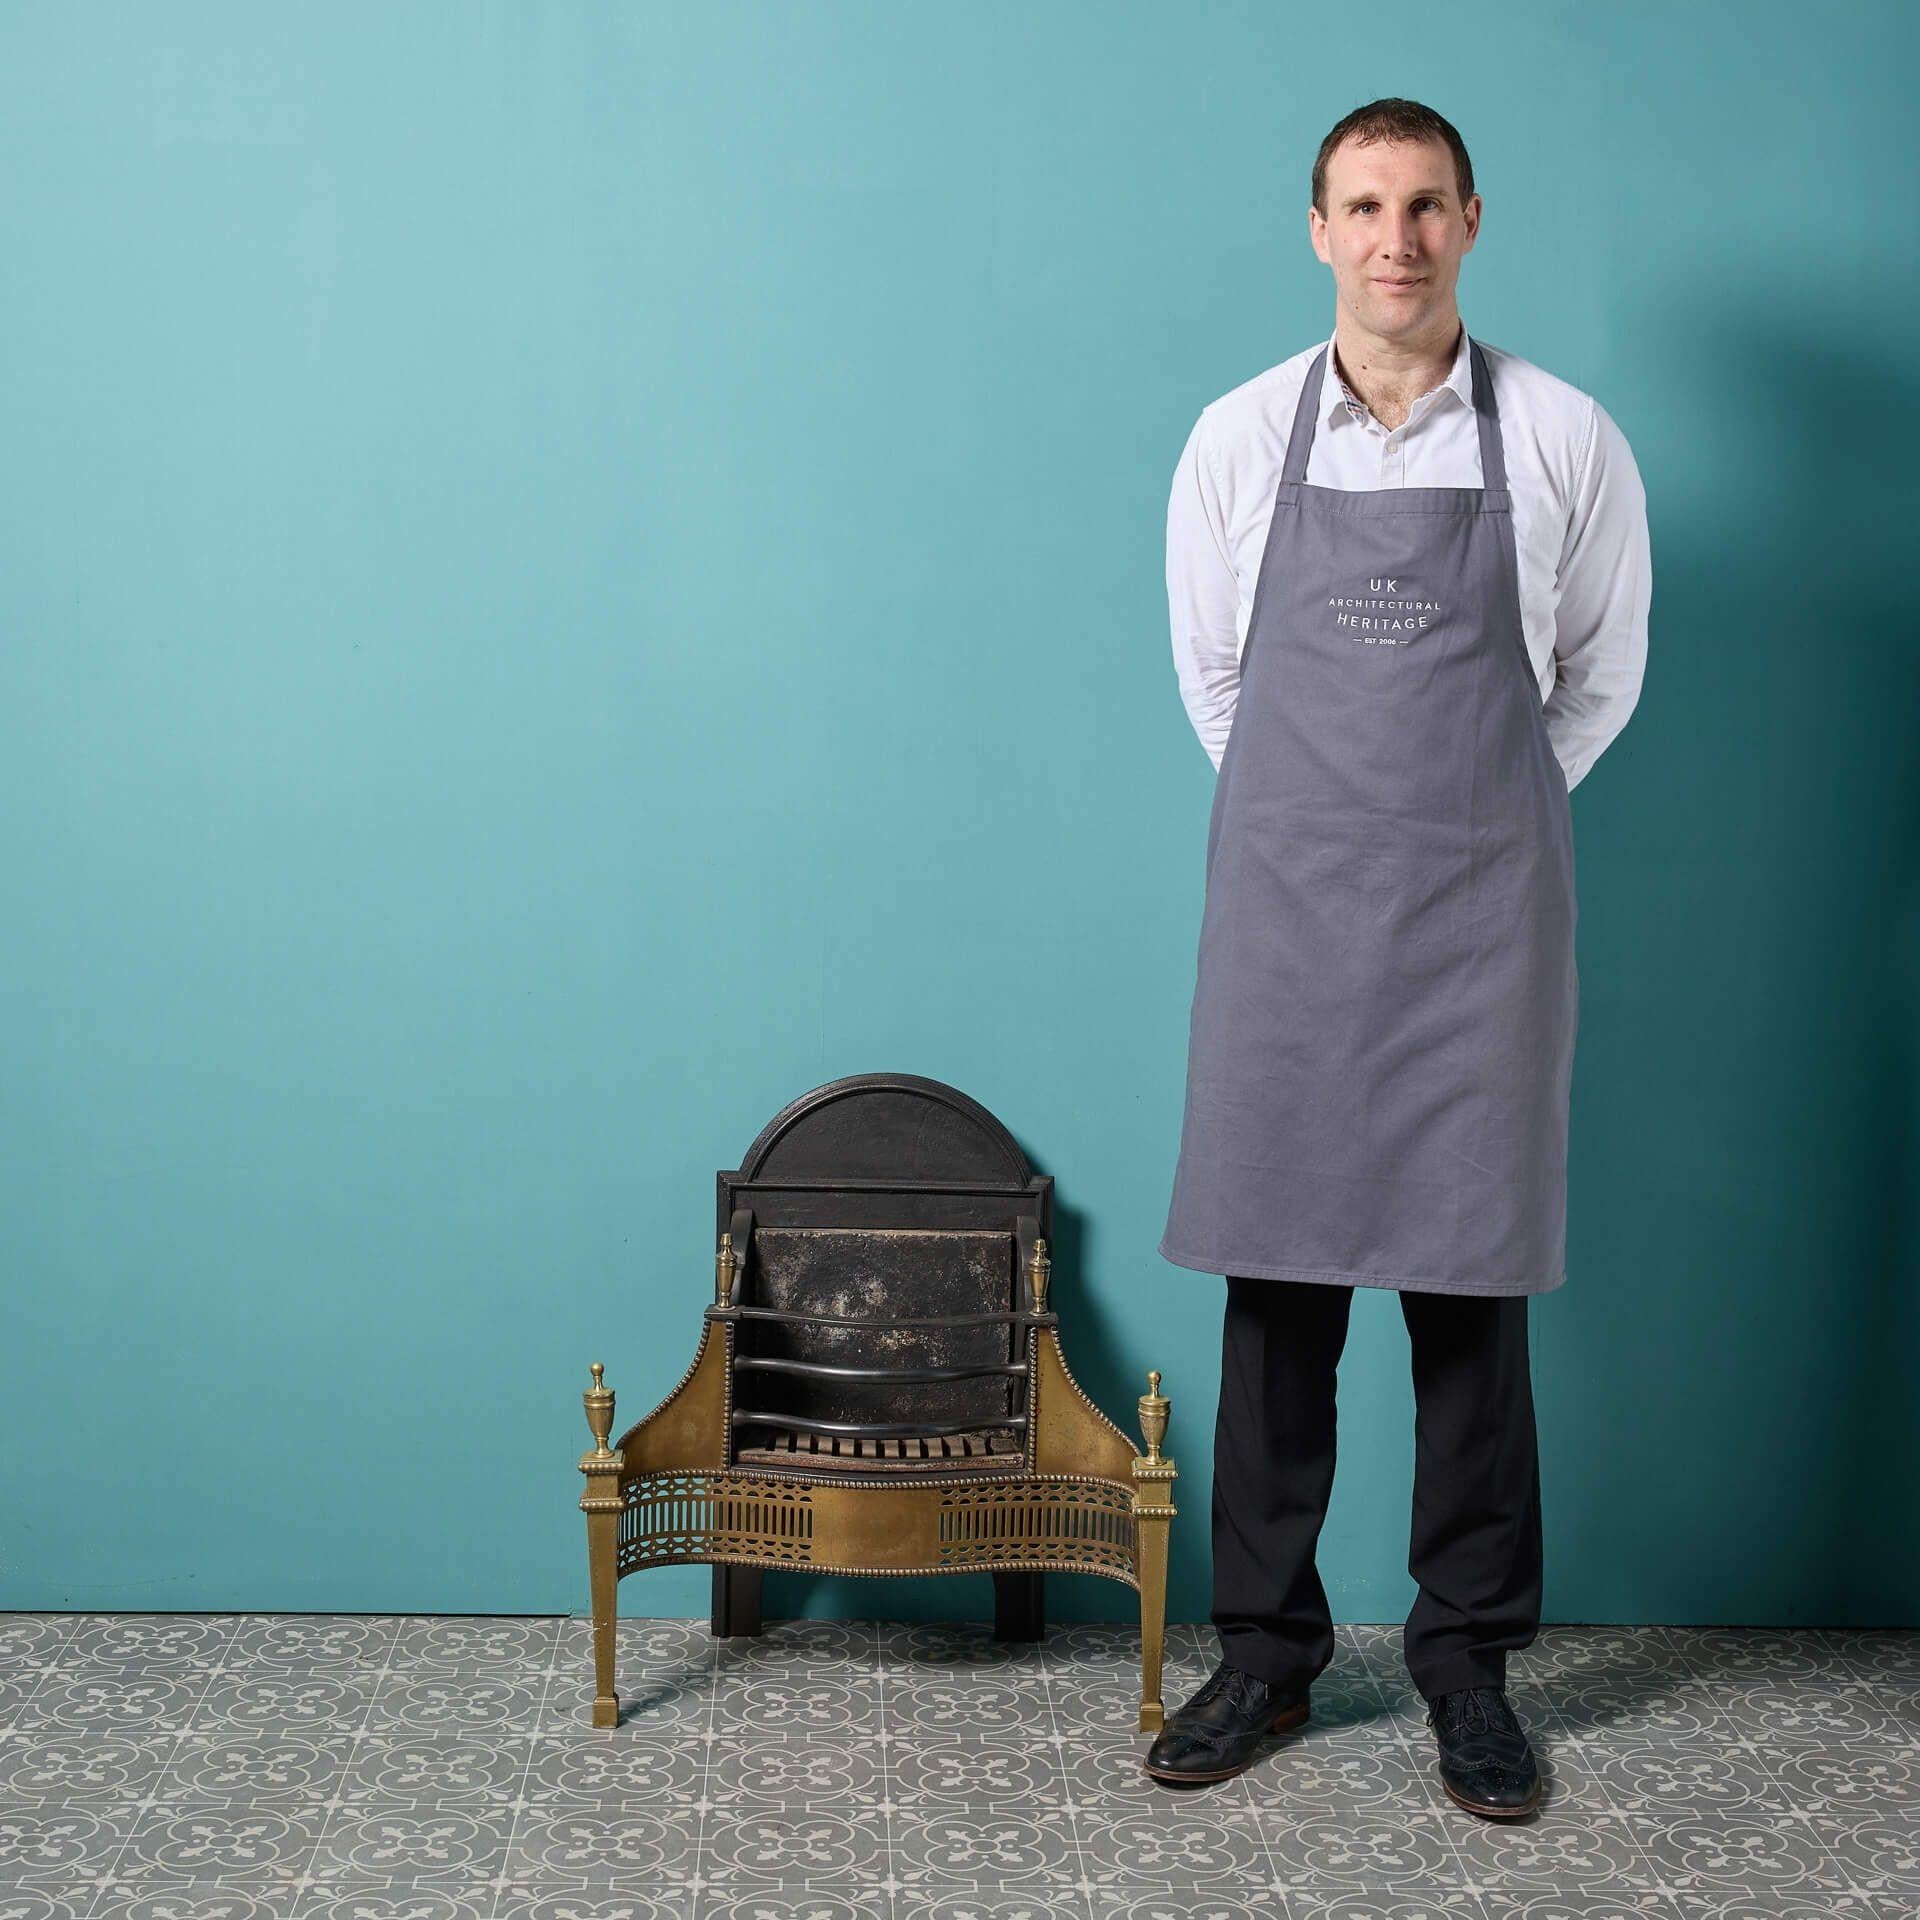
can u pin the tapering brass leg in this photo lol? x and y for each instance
(602, 1504)
(1153, 1511)
(1152, 1536)
(602, 1553)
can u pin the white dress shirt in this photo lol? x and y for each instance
(1579, 521)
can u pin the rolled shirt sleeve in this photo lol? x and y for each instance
(1202, 596)
(1605, 587)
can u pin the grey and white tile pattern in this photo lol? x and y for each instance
(222, 1767)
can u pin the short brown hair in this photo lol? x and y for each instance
(1392, 120)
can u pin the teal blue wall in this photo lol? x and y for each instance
(572, 572)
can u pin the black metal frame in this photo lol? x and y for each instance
(886, 1151)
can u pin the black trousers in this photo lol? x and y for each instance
(1475, 1543)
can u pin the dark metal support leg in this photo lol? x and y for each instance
(1019, 1606)
(736, 1601)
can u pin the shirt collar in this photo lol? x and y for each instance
(1338, 401)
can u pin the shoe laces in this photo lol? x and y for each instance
(1479, 1708)
(1236, 1681)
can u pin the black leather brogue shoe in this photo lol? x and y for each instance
(1216, 1734)
(1486, 1764)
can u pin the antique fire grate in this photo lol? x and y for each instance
(879, 1386)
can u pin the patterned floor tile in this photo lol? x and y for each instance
(986, 1847)
(910, 1655)
(855, 1899)
(747, 1776)
(1643, 1707)
(675, 1701)
(1256, 1900)
(790, 1845)
(969, 1903)
(1352, 1699)
(1757, 1851)
(606, 1845)
(1106, 1702)
(194, 1900)
(1860, 1777)
(1880, 1854)
(1824, 1712)
(263, 1701)
(1597, 1851)
(156, 1642)
(309, 1641)
(61, 1847)
(1884, 1655)
(1571, 1652)
(1069, 1644)
(935, 1771)
(464, 1642)
(35, 1903)
(235, 1843)
(1681, 1776)
(801, 1707)
(457, 1845)
(1314, 1771)
(646, 1643)
(368, 1901)
(1410, 1902)
(379, 1767)
(72, 1769)
(246, 1769)
(800, 1643)
(1667, 1903)
(1756, 1653)
(1345, 1849)
(437, 1769)
(950, 1705)
(18, 1685)
(89, 1698)
(34, 1637)
(573, 1903)
(488, 1698)
(1178, 1844)
(638, 1768)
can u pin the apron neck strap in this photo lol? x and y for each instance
(1486, 410)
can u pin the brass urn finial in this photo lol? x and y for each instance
(1039, 1269)
(726, 1264)
(598, 1401)
(1154, 1409)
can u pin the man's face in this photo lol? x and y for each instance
(1394, 233)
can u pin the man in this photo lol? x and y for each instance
(1409, 581)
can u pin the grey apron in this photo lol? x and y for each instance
(1381, 1043)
